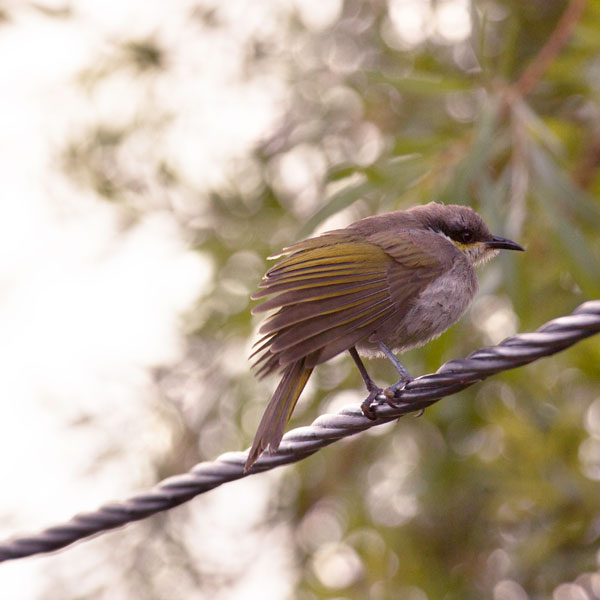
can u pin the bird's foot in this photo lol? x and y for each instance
(393, 393)
(389, 395)
(375, 397)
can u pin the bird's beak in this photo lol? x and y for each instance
(504, 244)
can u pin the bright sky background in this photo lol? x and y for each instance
(87, 310)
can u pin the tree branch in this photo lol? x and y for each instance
(558, 38)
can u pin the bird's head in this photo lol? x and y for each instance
(462, 226)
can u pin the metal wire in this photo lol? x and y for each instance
(451, 377)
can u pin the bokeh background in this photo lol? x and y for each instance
(154, 153)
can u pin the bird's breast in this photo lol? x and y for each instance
(429, 314)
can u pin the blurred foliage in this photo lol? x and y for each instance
(493, 492)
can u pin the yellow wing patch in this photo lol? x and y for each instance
(327, 289)
(335, 290)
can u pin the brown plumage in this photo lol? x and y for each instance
(394, 281)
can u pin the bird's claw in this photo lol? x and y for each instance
(389, 395)
(394, 392)
(369, 404)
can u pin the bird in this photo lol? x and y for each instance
(381, 286)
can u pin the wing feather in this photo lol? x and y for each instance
(318, 268)
(295, 334)
(327, 344)
(302, 311)
(313, 294)
(336, 290)
(312, 282)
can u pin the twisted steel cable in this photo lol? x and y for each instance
(451, 377)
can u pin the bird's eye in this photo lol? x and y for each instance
(466, 236)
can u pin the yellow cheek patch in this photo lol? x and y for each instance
(467, 248)
(477, 251)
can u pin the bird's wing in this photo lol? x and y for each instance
(419, 257)
(335, 290)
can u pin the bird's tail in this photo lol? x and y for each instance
(279, 410)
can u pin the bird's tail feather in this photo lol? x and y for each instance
(279, 410)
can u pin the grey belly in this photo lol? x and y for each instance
(435, 309)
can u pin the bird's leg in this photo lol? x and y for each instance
(373, 389)
(405, 377)
(404, 374)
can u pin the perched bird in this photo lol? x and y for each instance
(382, 285)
